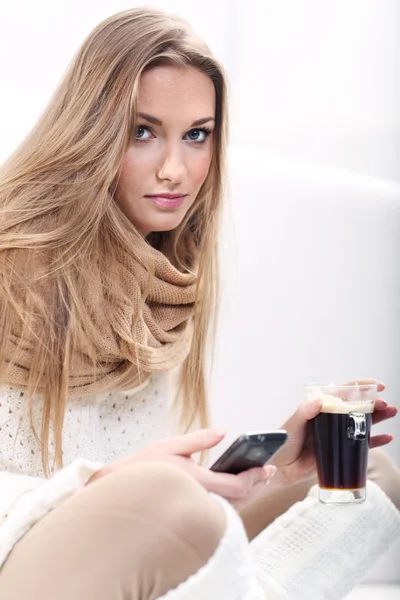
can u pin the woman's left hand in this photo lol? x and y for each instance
(296, 460)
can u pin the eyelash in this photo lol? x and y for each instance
(205, 130)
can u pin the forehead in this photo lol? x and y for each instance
(175, 91)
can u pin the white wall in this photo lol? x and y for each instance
(319, 80)
(312, 278)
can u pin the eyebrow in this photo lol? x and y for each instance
(156, 121)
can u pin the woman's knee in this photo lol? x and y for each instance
(167, 493)
(169, 499)
(176, 524)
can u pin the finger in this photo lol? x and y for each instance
(380, 404)
(297, 427)
(254, 492)
(380, 440)
(256, 477)
(190, 443)
(305, 412)
(382, 415)
(230, 486)
(381, 386)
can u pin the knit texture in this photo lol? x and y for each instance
(100, 428)
(128, 337)
(323, 551)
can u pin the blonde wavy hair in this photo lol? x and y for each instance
(67, 168)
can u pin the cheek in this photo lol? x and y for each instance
(200, 169)
(126, 168)
(137, 164)
(126, 189)
(129, 167)
(133, 180)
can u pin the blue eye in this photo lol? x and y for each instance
(199, 136)
(140, 133)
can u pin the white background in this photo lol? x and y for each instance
(313, 79)
(312, 238)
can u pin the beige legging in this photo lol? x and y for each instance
(138, 533)
(132, 535)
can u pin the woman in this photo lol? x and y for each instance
(109, 234)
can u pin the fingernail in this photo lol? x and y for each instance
(314, 404)
(219, 431)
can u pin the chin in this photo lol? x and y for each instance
(166, 222)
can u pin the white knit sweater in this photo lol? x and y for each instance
(312, 551)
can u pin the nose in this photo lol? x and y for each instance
(172, 166)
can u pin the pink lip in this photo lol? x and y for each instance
(167, 200)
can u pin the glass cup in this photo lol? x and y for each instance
(341, 438)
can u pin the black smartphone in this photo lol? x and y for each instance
(252, 449)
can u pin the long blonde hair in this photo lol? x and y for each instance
(67, 167)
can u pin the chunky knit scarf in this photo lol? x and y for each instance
(131, 337)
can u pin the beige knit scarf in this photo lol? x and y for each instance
(132, 338)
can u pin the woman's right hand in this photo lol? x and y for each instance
(237, 489)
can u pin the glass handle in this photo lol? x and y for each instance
(357, 426)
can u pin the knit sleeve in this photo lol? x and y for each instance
(25, 500)
(324, 551)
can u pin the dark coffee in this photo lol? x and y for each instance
(341, 446)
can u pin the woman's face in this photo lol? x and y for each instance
(170, 155)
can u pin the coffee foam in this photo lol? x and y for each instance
(335, 405)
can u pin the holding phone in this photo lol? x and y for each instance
(252, 449)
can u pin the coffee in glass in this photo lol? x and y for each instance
(341, 438)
